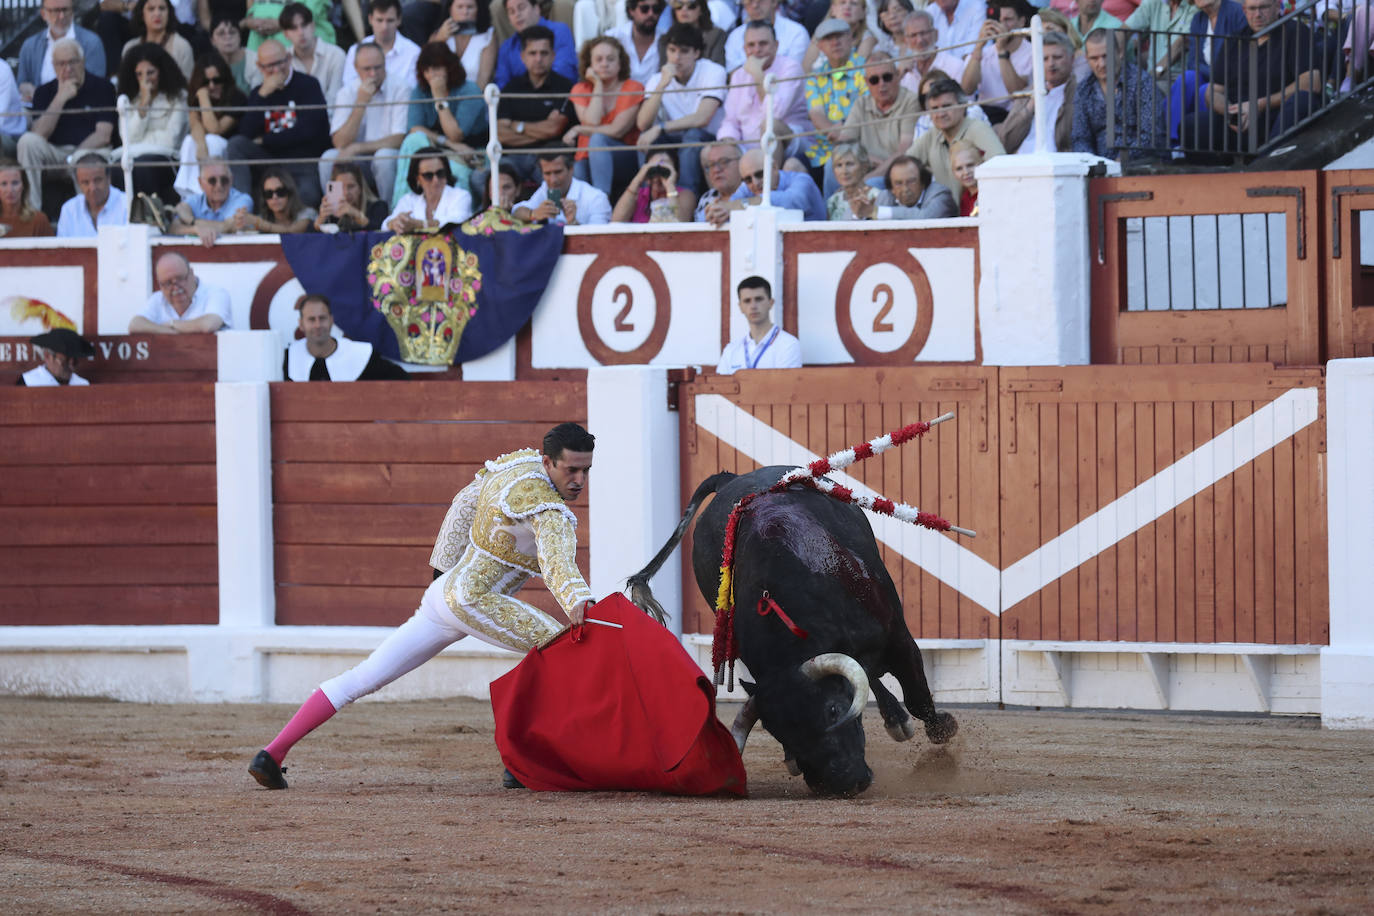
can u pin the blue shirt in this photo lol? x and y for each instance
(509, 65)
(795, 191)
(74, 222)
(201, 210)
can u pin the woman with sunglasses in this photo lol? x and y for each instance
(607, 103)
(155, 21)
(211, 90)
(349, 202)
(697, 14)
(433, 201)
(154, 122)
(279, 209)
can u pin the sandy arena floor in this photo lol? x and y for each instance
(395, 807)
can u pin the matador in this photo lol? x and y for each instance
(511, 522)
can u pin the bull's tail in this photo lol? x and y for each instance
(640, 592)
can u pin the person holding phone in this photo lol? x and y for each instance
(563, 198)
(349, 203)
(468, 33)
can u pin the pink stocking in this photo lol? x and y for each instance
(313, 713)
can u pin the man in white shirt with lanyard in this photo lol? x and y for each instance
(762, 346)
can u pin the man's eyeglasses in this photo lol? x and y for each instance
(58, 10)
(721, 163)
(269, 193)
(430, 176)
(882, 78)
(177, 282)
(216, 180)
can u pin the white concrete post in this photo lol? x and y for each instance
(756, 251)
(636, 504)
(1034, 303)
(243, 477)
(124, 275)
(1347, 667)
(249, 356)
(492, 95)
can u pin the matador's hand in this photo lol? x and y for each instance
(579, 613)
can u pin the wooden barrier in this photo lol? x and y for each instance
(107, 507)
(362, 475)
(136, 358)
(1143, 504)
(1349, 270)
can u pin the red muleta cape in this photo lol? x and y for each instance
(623, 709)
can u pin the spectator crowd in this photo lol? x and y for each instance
(319, 116)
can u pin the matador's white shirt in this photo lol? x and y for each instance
(510, 523)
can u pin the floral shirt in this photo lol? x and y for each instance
(1139, 122)
(837, 207)
(836, 93)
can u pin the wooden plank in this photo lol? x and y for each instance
(928, 494)
(1265, 556)
(1310, 535)
(375, 482)
(1185, 536)
(1224, 519)
(950, 449)
(358, 525)
(1165, 559)
(109, 485)
(79, 527)
(1205, 584)
(1146, 554)
(1285, 570)
(1123, 415)
(105, 405)
(135, 443)
(1088, 503)
(342, 565)
(108, 605)
(423, 443)
(1070, 610)
(120, 565)
(543, 404)
(1105, 472)
(1053, 624)
(1244, 526)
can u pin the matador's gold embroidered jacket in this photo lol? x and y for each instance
(512, 515)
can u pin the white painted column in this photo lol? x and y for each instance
(249, 356)
(756, 251)
(243, 457)
(124, 275)
(635, 506)
(1034, 303)
(1347, 666)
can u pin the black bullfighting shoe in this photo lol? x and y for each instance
(267, 772)
(508, 781)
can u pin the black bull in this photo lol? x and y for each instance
(817, 559)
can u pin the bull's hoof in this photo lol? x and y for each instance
(904, 730)
(943, 728)
(792, 767)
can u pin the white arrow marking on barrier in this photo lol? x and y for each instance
(980, 581)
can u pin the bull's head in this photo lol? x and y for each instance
(814, 712)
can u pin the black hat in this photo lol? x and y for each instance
(64, 341)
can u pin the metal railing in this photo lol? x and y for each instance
(1258, 91)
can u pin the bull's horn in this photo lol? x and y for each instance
(744, 723)
(847, 668)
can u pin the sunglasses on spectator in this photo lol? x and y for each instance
(882, 78)
(216, 180)
(756, 178)
(269, 193)
(214, 81)
(650, 7)
(430, 176)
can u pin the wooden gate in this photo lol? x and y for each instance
(1350, 264)
(1191, 247)
(1137, 504)
(948, 586)
(1163, 505)
(363, 474)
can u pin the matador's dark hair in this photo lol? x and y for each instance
(567, 436)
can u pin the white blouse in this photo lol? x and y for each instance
(472, 54)
(454, 207)
(161, 130)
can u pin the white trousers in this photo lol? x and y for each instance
(433, 628)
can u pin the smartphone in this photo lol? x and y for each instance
(556, 197)
(464, 28)
(334, 194)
